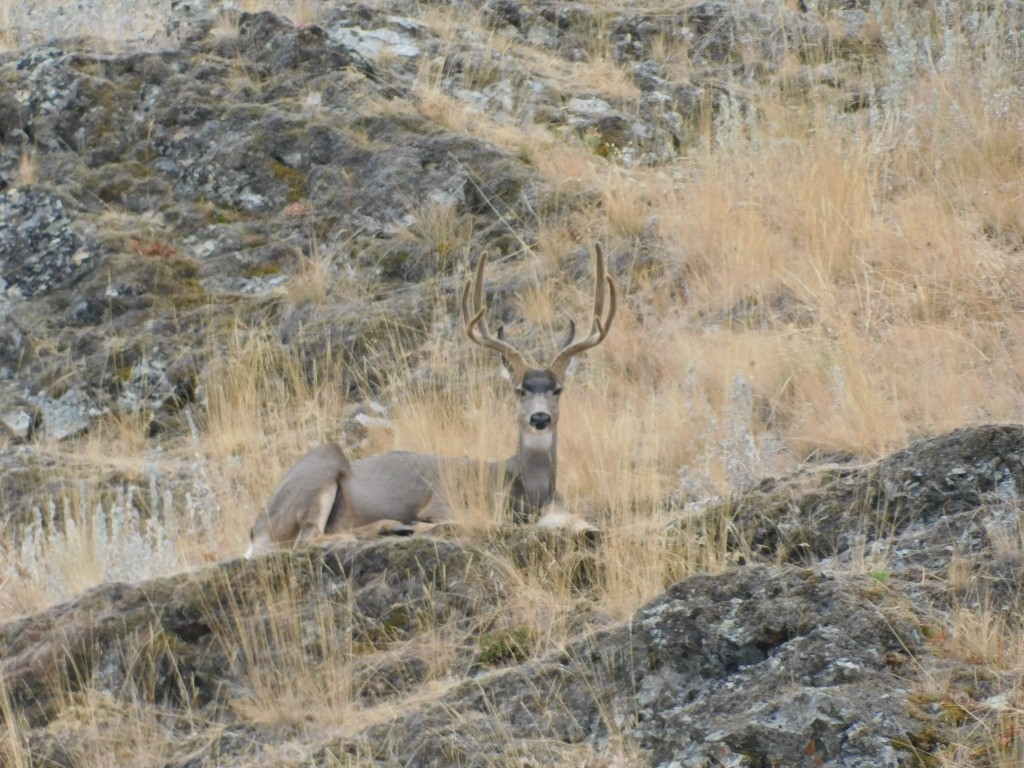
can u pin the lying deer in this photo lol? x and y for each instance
(325, 494)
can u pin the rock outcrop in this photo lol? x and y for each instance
(825, 664)
(254, 146)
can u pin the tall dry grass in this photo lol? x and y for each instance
(805, 281)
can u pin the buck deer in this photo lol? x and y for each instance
(393, 493)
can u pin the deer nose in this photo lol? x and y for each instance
(540, 420)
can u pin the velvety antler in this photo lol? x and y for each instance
(473, 311)
(600, 324)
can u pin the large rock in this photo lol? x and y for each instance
(949, 496)
(205, 636)
(757, 666)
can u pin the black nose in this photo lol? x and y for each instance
(540, 420)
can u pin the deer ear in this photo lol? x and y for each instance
(568, 369)
(507, 373)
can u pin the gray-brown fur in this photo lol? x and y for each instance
(309, 501)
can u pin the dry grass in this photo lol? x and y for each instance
(110, 24)
(28, 169)
(803, 282)
(286, 666)
(114, 25)
(989, 730)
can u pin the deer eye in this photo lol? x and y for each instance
(556, 391)
(520, 392)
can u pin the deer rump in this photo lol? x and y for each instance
(308, 501)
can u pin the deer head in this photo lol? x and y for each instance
(538, 389)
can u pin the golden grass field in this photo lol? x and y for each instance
(802, 282)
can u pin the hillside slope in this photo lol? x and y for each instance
(230, 233)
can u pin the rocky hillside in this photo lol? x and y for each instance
(329, 656)
(168, 188)
(276, 209)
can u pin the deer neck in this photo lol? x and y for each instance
(532, 473)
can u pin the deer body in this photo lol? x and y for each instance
(382, 494)
(410, 487)
(325, 494)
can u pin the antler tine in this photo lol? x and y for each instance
(476, 324)
(600, 325)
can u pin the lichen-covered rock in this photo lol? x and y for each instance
(229, 161)
(941, 516)
(39, 249)
(757, 666)
(761, 664)
(194, 626)
(818, 512)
